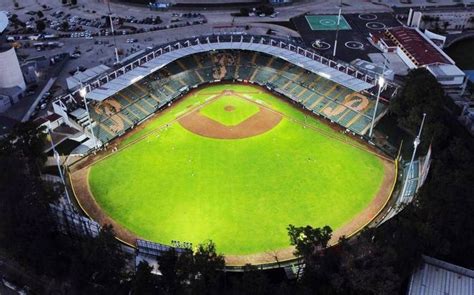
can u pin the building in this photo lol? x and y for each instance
(440, 18)
(436, 277)
(416, 50)
(13, 77)
(12, 83)
(210, 3)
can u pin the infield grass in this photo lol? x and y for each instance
(242, 194)
(229, 110)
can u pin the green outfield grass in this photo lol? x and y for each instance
(242, 194)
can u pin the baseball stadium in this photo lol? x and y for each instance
(230, 139)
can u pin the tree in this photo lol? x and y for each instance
(40, 25)
(64, 26)
(100, 265)
(244, 11)
(40, 14)
(309, 244)
(253, 281)
(157, 20)
(144, 282)
(73, 2)
(27, 227)
(308, 241)
(208, 266)
(175, 270)
(266, 9)
(422, 94)
(199, 271)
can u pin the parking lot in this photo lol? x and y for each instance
(84, 32)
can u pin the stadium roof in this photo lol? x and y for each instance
(436, 277)
(3, 21)
(79, 77)
(418, 48)
(110, 88)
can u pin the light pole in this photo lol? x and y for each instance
(83, 92)
(337, 28)
(58, 163)
(416, 142)
(381, 83)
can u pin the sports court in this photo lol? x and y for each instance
(326, 22)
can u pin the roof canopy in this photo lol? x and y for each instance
(293, 54)
(437, 277)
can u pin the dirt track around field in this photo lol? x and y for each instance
(351, 228)
(80, 185)
(86, 200)
(79, 176)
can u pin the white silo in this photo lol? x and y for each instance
(10, 71)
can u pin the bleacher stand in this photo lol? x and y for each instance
(321, 96)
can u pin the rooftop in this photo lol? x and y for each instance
(446, 70)
(420, 50)
(79, 77)
(353, 43)
(436, 277)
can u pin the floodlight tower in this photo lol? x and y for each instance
(337, 28)
(82, 93)
(58, 164)
(416, 142)
(113, 33)
(381, 83)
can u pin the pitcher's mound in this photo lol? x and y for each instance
(259, 123)
(229, 108)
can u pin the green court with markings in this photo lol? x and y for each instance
(327, 22)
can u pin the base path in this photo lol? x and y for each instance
(259, 123)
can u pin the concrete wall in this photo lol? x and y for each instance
(406, 59)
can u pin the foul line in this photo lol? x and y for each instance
(317, 129)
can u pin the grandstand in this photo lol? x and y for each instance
(114, 115)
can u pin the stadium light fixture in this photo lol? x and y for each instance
(83, 92)
(337, 28)
(381, 83)
(58, 164)
(136, 79)
(324, 75)
(416, 143)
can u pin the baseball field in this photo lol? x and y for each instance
(237, 165)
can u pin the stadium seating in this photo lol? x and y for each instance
(321, 96)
